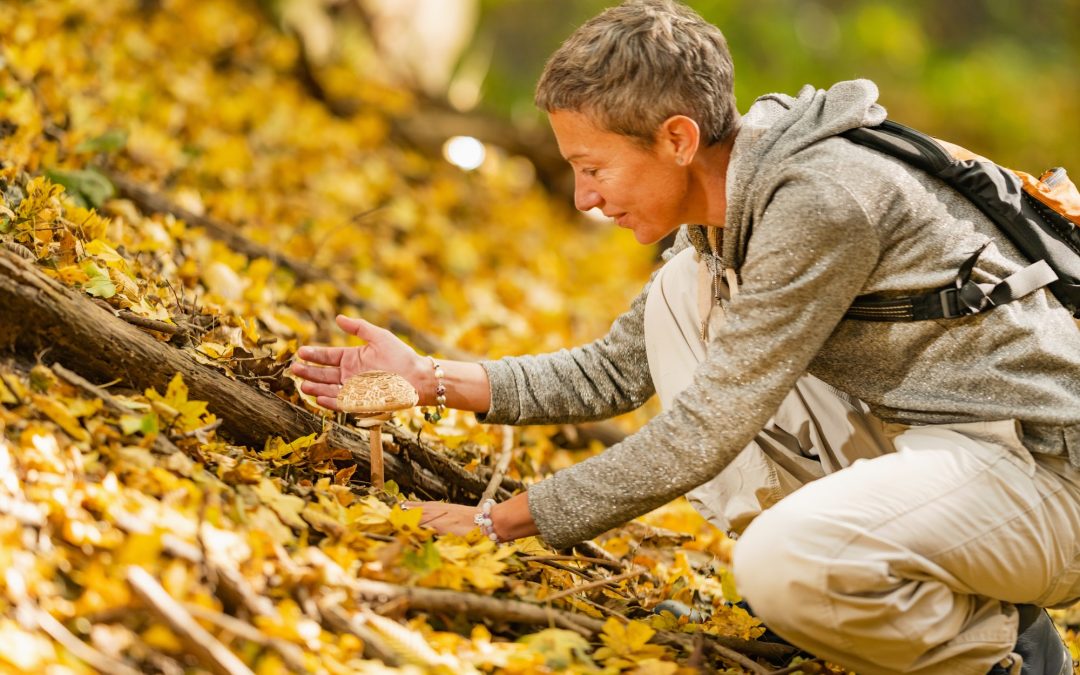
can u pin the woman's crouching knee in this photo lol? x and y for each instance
(778, 568)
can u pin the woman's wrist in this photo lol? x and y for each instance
(511, 519)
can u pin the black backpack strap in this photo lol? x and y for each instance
(963, 298)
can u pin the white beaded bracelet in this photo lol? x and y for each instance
(483, 520)
(440, 394)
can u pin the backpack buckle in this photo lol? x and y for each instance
(951, 307)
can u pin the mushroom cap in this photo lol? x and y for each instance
(376, 391)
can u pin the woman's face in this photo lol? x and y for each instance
(642, 189)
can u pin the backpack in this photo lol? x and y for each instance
(1041, 217)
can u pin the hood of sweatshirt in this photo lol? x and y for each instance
(775, 128)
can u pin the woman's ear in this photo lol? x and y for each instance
(679, 138)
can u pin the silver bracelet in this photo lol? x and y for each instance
(484, 522)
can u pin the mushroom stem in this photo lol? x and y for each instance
(375, 434)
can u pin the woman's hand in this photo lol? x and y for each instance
(510, 519)
(328, 367)
(447, 518)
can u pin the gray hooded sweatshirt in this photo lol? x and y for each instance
(813, 221)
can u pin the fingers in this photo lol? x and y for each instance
(432, 511)
(317, 373)
(327, 356)
(318, 389)
(362, 329)
(328, 402)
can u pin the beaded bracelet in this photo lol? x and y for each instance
(483, 520)
(440, 394)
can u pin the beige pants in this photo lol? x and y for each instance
(905, 562)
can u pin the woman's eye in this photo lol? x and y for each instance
(588, 172)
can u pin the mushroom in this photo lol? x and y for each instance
(373, 396)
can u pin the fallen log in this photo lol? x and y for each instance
(39, 314)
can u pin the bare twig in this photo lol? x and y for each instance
(807, 667)
(149, 324)
(81, 650)
(501, 465)
(606, 610)
(139, 321)
(291, 654)
(566, 568)
(597, 551)
(595, 584)
(339, 620)
(201, 430)
(204, 646)
(453, 602)
(572, 558)
(738, 659)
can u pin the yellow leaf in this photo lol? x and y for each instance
(108, 255)
(71, 275)
(656, 667)
(561, 648)
(139, 549)
(727, 583)
(184, 414)
(626, 645)
(287, 507)
(161, 637)
(215, 350)
(407, 521)
(59, 414)
(6, 395)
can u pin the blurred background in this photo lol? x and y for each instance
(247, 169)
(998, 76)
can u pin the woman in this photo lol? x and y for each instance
(911, 561)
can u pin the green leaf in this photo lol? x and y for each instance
(424, 561)
(561, 648)
(100, 285)
(87, 186)
(110, 141)
(144, 424)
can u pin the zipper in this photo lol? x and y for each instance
(1053, 177)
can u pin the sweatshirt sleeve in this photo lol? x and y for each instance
(607, 377)
(810, 253)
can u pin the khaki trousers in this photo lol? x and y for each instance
(903, 562)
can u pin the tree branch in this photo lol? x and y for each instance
(205, 647)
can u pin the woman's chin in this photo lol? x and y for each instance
(650, 234)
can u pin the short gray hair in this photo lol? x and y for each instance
(635, 65)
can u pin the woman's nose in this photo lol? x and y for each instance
(585, 198)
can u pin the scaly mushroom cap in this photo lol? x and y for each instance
(376, 391)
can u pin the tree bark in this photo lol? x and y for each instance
(38, 315)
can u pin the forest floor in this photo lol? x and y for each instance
(180, 210)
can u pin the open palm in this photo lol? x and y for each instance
(324, 369)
